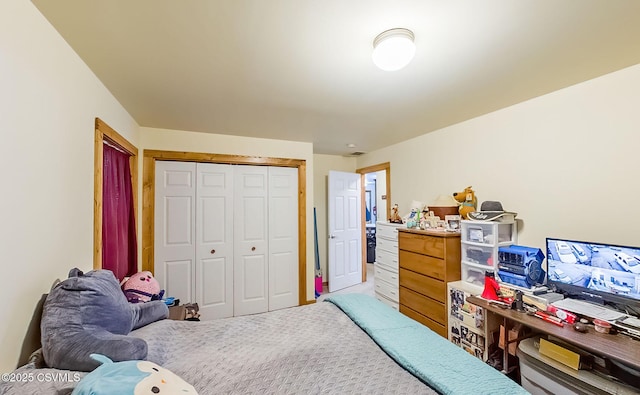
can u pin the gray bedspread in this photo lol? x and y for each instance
(314, 349)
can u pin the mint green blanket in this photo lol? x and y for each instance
(443, 366)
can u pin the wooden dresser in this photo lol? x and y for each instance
(429, 259)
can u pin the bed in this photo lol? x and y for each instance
(346, 344)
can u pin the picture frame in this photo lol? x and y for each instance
(452, 223)
(476, 234)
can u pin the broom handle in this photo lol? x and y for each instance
(315, 234)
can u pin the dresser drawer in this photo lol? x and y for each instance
(387, 259)
(422, 244)
(384, 274)
(426, 321)
(387, 245)
(386, 230)
(423, 305)
(387, 290)
(423, 264)
(424, 285)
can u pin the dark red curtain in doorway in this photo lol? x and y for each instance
(119, 247)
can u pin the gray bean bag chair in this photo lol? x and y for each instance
(89, 314)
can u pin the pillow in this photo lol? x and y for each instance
(88, 313)
(131, 377)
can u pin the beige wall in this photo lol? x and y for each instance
(172, 140)
(322, 165)
(48, 102)
(566, 162)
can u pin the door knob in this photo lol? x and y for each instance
(253, 248)
(332, 237)
(213, 251)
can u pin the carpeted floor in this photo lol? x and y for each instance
(363, 288)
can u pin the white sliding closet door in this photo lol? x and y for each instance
(250, 240)
(214, 240)
(175, 228)
(226, 236)
(283, 237)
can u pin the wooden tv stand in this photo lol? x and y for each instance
(617, 347)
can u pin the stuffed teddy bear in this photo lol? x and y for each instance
(467, 201)
(395, 217)
(142, 287)
(131, 378)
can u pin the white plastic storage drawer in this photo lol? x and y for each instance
(386, 275)
(387, 259)
(473, 274)
(482, 232)
(388, 302)
(479, 255)
(387, 290)
(389, 231)
(387, 245)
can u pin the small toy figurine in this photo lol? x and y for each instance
(413, 219)
(467, 201)
(395, 217)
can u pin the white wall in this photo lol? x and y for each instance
(322, 164)
(48, 102)
(173, 140)
(566, 162)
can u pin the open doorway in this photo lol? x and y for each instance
(376, 195)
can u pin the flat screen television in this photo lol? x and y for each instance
(601, 273)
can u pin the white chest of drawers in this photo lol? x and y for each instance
(386, 266)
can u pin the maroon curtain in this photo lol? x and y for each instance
(119, 247)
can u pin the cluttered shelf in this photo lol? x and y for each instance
(614, 346)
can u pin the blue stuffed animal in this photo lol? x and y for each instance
(131, 378)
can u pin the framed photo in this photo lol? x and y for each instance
(476, 234)
(452, 223)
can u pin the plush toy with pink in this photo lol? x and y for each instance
(142, 287)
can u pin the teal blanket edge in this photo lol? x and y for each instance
(433, 359)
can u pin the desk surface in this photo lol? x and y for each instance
(619, 347)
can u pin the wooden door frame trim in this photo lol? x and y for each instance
(362, 171)
(148, 200)
(104, 133)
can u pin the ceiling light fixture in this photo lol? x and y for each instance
(393, 49)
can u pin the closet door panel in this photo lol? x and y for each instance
(214, 245)
(178, 275)
(174, 245)
(250, 281)
(283, 237)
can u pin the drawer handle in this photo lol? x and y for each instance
(392, 292)
(395, 260)
(394, 277)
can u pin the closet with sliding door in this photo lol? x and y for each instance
(226, 236)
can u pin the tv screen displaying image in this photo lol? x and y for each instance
(611, 272)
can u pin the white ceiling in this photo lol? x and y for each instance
(301, 69)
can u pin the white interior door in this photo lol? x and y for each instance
(345, 230)
(174, 222)
(283, 237)
(250, 283)
(214, 240)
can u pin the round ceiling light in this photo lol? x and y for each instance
(393, 49)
